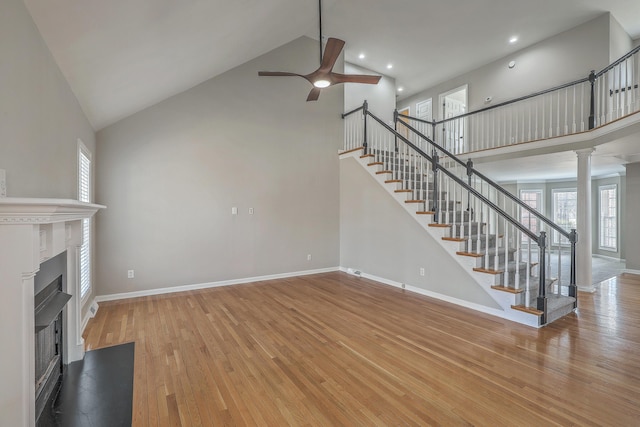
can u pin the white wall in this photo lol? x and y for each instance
(381, 97)
(560, 59)
(171, 174)
(40, 118)
(378, 237)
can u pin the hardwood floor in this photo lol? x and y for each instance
(333, 349)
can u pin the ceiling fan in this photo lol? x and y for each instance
(325, 76)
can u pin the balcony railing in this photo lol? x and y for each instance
(596, 100)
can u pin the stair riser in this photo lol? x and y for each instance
(473, 245)
(465, 230)
(480, 262)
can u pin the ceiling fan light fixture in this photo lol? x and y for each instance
(321, 83)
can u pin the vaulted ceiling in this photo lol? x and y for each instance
(120, 56)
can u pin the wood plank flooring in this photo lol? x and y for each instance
(337, 350)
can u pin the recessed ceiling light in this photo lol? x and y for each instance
(389, 66)
(361, 56)
(513, 39)
(400, 89)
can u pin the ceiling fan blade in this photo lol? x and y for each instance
(355, 78)
(331, 52)
(314, 94)
(277, 73)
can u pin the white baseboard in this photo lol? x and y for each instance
(91, 312)
(473, 306)
(610, 258)
(627, 270)
(183, 288)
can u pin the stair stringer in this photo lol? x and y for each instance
(504, 299)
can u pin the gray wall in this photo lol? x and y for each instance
(171, 174)
(40, 118)
(620, 42)
(560, 59)
(632, 233)
(381, 97)
(378, 237)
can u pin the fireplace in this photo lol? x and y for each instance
(49, 302)
(34, 235)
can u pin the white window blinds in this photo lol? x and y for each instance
(84, 195)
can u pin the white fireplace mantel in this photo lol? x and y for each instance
(19, 210)
(32, 231)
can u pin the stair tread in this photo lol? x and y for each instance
(375, 164)
(529, 310)
(381, 172)
(507, 289)
(425, 212)
(435, 224)
(392, 181)
(469, 254)
(367, 155)
(352, 150)
(402, 191)
(487, 270)
(415, 201)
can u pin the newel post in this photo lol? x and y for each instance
(592, 101)
(542, 287)
(573, 289)
(365, 112)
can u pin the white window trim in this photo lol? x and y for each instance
(600, 188)
(555, 234)
(540, 208)
(84, 151)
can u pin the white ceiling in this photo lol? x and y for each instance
(120, 56)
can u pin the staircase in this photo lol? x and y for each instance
(468, 215)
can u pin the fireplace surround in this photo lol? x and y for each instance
(33, 231)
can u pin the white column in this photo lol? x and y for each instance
(584, 279)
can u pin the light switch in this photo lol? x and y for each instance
(234, 211)
(250, 211)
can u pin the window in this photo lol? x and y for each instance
(84, 195)
(532, 198)
(565, 208)
(609, 217)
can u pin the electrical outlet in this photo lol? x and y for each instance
(402, 286)
(234, 211)
(309, 257)
(250, 211)
(130, 274)
(421, 271)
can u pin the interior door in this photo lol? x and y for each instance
(454, 103)
(424, 111)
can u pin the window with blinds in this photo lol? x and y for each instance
(84, 195)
